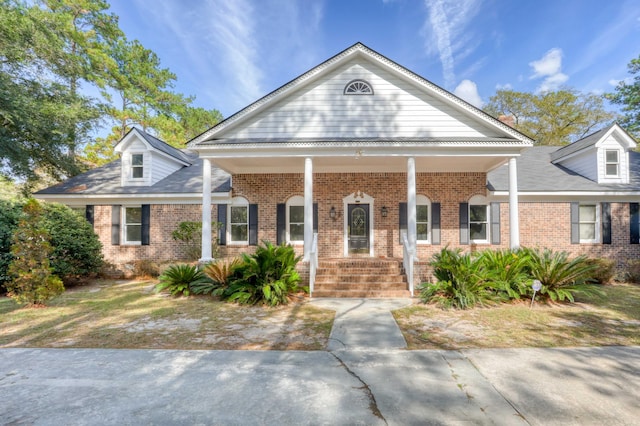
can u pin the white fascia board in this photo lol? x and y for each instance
(84, 199)
(567, 196)
(399, 150)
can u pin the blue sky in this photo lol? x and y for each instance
(229, 53)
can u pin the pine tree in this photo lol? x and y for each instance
(33, 280)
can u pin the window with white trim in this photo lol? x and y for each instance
(589, 217)
(423, 219)
(479, 222)
(238, 225)
(137, 166)
(612, 163)
(132, 225)
(295, 220)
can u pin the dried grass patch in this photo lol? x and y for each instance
(128, 314)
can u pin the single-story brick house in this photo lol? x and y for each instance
(361, 158)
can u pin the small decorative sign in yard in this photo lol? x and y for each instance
(536, 286)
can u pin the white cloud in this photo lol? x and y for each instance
(615, 82)
(549, 64)
(549, 67)
(506, 86)
(233, 31)
(445, 31)
(468, 90)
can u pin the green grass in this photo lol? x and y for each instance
(613, 319)
(110, 314)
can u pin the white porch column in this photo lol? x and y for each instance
(308, 208)
(411, 204)
(206, 211)
(514, 223)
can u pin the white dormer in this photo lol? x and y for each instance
(146, 160)
(602, 156)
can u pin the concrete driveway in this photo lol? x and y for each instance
(398, 387)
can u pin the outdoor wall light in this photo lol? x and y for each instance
(384, 211)
(332, 213)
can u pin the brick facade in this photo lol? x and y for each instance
(542, 224)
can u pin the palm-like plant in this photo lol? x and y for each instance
(268, 276)
(219, 273)
(461, 281)
(178, 279)
(506, 271)
(560, 275)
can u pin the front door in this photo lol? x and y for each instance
(358, 222)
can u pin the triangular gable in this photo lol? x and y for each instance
(281, 114)
(595, 140)
(152, 144)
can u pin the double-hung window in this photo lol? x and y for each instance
(422, 219)
(239, 223)
(612, 163)
(588, 214)
(295, 220)
(479, 223)
(133, 225)
(137, 166)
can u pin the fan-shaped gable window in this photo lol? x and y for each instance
(358, 87)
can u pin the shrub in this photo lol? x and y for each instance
(633, 270)
(268, 276)
(461, 281)
(32, 278)
(604, 270)
(561, 277)
(219, 272)
(190, 233)
(77, 251)
(146, 268)
(178, 279)
(506, 271)
(10, 214)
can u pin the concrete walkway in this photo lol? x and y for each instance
(364, 324)
(361, 380)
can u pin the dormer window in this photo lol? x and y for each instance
(137, 166)
(612, 163)
(358, 87)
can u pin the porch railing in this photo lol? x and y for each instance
(408, 257)
(313, 263)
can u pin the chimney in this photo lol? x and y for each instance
(509, 120)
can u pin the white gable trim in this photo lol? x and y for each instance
(332, 63)
(134, 133)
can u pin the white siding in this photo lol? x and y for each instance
(585, 164)
(155, 165)
(610, 143)
(397, 109)
(161, 167)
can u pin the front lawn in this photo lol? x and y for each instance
(592, 321)
(129, 314)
